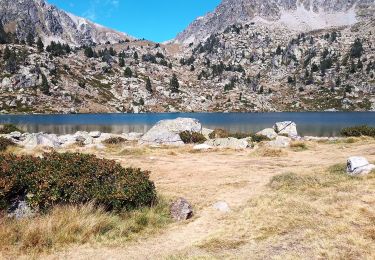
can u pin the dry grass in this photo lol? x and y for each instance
(78, 225)
(326, 214)
(271, 152)
(298, 146)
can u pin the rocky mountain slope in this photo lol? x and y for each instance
(36, 17)
(298, 15)
(247, 66)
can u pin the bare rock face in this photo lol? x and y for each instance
(286, 128)
(181, 210)
(357, 165)
(295, 14)
(39, 18)
(167, 131)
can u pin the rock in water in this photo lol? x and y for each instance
(286, 128)
(181, 210)
(357, 165)
(230, 142)
(167, 131)
(280, 142)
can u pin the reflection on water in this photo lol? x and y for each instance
(317, 124)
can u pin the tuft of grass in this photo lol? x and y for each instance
(271, 152)
(298, 146)
(219, 244)
(293, 182)
(9, 128)
(78, 225)
(5, 143)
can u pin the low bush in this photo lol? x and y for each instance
(192, 137)
(298, 146)
(73, 179)
(5, 143)
(357, 131)
(9, 128)
(114, 140)
(221, 133)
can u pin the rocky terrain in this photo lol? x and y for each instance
(253, 63)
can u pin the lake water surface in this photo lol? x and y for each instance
(308, 123)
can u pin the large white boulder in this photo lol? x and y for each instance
(286, 128)
(358, 165)
(84, 137)
(280, 142)
(269, 132)
(41, 139)
(230, 142)
(167, 131)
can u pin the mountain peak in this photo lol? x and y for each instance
(39, 18)
(298, 15)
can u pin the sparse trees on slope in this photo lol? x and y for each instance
(149, 85)
(174, 84)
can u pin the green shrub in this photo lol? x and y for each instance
(357, 131)
(192, 137)
(221, 133)
(73, 179)
(9, 128)
(5, 143)
(114, 140)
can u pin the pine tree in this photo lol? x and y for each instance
(30, 39)
(128, 72)
(89, 53)
(45, 86)
(135, 56)
(121, 62)
(174, 84)
(11, 62)
(3, 35)
(7, 53)
(40, 45)
(149, 85)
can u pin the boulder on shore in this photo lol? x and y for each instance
(280, 142)
(230, 142)
(41, 139)
(358, 165)
(286, 128)
(181, 210)
(269, 132)
(168, 131)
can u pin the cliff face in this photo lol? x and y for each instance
(298, 15)
(39, 18)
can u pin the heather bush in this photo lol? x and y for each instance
(5, 143)
(357, 131)
(72, 179)
(192, 137)
(9, 128)
(114, 140)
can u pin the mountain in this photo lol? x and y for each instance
(39, 18)
(297, 15)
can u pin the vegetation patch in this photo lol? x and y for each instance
(222, 133)
(5, 143)
(357, 131)
(192, 137)
(298, 146)
(9, 128)
(271, 152)
(73, 179)
(114, 140)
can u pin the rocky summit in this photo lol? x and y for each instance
(246, 56)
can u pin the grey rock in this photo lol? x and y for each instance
(15, 135)
(358, 165)
(20, 209)
(206, 132)
(84, 137)
(280, 142)
(167, 131)
(133, 136)
(287, 127)
(202, 147)
(269, 132)
(95, 134)
(229, 142)
(41, 139)
(181, 210)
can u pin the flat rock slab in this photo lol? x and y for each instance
(358, 165)
(229, 142)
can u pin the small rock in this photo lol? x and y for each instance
(181, 210)
(133, 136)
(95, 134)
(202, 147)
(20, 209)
(222, 206)
(357, 165)
(15, 135)
(232, 143)
(206, 132)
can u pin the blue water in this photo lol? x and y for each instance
(317, 124)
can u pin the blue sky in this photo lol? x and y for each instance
(156, 20)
